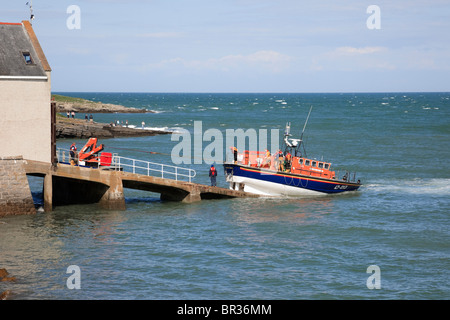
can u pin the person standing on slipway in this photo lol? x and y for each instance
(73, 153)
(213, 175)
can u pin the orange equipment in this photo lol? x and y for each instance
(89, 153)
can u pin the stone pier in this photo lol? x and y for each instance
(15, 194)
(65, 184)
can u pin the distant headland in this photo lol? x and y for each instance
(78, 105)
(68, 127)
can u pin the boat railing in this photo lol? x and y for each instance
(112, 161)
(347, 176)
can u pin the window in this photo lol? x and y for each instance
(314, 164)
(307, 162)
(27, 57)
(300, 161)
(321, 165)
(327, 165)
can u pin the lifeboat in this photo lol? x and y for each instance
(286, 173)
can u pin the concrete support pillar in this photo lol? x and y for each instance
(114, 198)
(48, 192)
(193, 196)
(108, 193)
(187, 196)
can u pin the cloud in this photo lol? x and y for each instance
(354, 59)
(264, 60)
(160, 35)
(77, 50)
(358, 51)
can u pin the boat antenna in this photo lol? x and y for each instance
(306, 122)
(303, 131)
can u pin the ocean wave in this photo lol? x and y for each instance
(157, 128)
(432, 186)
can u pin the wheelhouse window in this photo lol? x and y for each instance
(307, 162)
(300, 161)
(27, 57)
(321, 165)
(314, 163)
(327, 165)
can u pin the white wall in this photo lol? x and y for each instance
(25, 119)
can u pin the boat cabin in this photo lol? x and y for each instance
(298, 165)
(309, 167)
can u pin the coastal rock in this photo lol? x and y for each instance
(10, 279)
(96, 107)
(66, 104)
(74, 128)
(3, 273)
(4, 276)
(5, 294)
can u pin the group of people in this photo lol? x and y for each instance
(71, 114)
(282, 161)
(117, 123)
(88, 118)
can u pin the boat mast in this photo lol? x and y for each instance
(294, 144)
(303, 131)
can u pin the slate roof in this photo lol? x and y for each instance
(17, 43)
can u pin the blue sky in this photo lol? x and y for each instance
(242, 45)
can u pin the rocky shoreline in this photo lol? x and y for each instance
(81, 129)
(70, 128)
(68, 104)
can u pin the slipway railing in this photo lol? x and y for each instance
(115, 162)
(148, 168)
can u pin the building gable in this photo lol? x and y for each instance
(20, 52)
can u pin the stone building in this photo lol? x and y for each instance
(26, 115)
(25, 94)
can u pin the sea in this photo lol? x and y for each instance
(390, 240)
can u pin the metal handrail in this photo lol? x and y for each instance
(147, 168)
(136, 166)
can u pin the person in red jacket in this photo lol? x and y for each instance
(213, 175)
(73, 153)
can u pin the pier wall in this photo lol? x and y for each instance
(15, 194)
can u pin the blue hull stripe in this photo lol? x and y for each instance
(305, 182)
